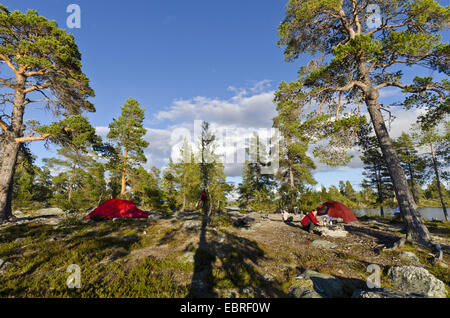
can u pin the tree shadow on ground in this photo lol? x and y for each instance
(294, 225)
(436, 230)
(225, 261)
(381, 238)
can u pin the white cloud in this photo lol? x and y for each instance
(390, 92)
(252, 108)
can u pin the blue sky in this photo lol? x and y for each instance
(182, 60)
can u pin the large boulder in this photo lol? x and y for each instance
(409, 256)
(246, 221)
(255, 216)
(50, 211)
(383, 293)
(187, 257)
(302, 292)
(417, 280)
(19, 214)
(324, 244)
(332, 232)
(325, 285)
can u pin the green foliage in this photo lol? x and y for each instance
(256, 189)
(49, 56)
(31, 185)
(170, 187)
(334, 138)
(81, 184)
(411, 162)
(127, 133)
(360, 43)
(212, 171)
(189, 178)
(146, 188)
(295, 165)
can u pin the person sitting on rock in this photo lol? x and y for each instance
(310, 221)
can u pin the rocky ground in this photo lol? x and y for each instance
(252, 255)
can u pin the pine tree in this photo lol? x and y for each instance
(78, 142)
(212, 173)
(44, 61)
(188, 174)
(352, 60)
(257, 187)
(93, 188)
(376, 172)
(24, 177)
(411, 162)
(294, 165)
(437, 156)
(127, 133)
(145, 185)
(170, 186)
(245, 188)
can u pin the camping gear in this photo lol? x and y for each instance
(337, 210)
(117, 208)
(286, 217)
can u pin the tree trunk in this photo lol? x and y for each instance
(184, 192)
(411, 177)
(291, 178)
(10, 149)
(415, 229)
(71, 182)
(438, 181)
(124, 175)
(380, 190)
(8, 163)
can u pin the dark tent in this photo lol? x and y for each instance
(117, 208)
(337, 210)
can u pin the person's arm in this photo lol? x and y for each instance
(314, 219)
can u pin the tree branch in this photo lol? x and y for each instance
(321, 104)
(25, 139)
(7, 83)
(28, 101)
(344, 21)
(339, 105)
(8, 62)
(431, 87)
(37, 87)
(350, 85)
(40, 72)
(4, 126)
(355, 17)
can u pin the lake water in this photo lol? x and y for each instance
(427, 213)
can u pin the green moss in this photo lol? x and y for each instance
(348, 256)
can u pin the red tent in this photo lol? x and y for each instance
(117, 208)
(337, 210)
